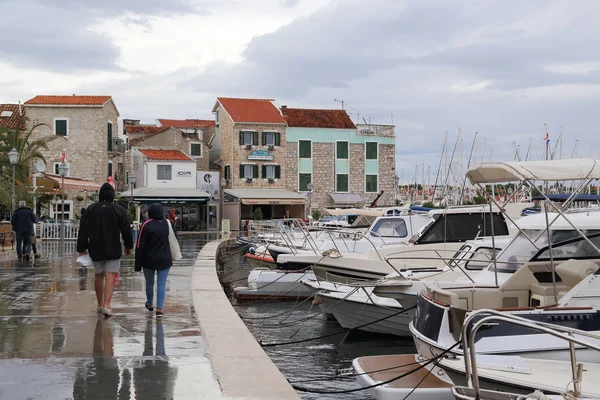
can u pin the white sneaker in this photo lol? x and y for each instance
(108, 312)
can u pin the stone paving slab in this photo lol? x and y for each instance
(54, 346)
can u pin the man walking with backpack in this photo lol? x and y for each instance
(102, 226)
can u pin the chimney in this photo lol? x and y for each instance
(20, 109)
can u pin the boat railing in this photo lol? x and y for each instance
(344, 235)
(494, 316)
(290, 227)
(465, 256)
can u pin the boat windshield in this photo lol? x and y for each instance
(566, 244)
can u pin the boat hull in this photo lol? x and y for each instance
(275, 285)
(351, 315)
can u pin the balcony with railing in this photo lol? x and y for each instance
(116, 145)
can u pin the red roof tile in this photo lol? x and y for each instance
(68, 100)
(187, 123)
(308, 118)
(252, 110)
(147, 129)
(10, 117)
(165, 155)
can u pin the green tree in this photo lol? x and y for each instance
(316, 214)
(29, 150)
(258, 214)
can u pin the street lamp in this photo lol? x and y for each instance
(62, 171)
(310, 187)
(131, 181)
(13, 157)
(223, 184)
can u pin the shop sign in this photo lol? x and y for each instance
(260, 155)
(184, 173)
(208, 181)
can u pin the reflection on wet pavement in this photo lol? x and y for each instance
(54, 346)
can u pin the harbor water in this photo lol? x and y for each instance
(313, 365)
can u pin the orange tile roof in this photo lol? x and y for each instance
(187, 123)
(165, 155)
(310, 118)
(69, 100)
(148, 129)
(15, 120)
(252, 110)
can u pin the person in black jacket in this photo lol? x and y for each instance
(99, 231)
(153, 255)
(22, 223)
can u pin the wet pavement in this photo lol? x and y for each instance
(54, 346)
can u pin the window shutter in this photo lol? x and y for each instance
(264, 139)
(277, 139)
(241, 137)
(277, 171)
(255, 138)
(264, 170)
(242, 171)
(255, 168)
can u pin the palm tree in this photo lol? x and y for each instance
(29, 150)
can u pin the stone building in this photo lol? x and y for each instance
(252, 137)
(347, 166)
(85, 129)
(188, 136)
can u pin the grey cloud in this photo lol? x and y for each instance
(55, 36)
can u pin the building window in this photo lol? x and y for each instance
(341, 183)
(61, 126)
(371, 183)
(248, 138)
(271, 172)
(341, 150)
(248, 171)
(56, 165)
(164, 172)
(110, 168)
(57, 212)
(271, 139)
(371, 150)
(303, 181)
(304, 149)
(227, 172)
(196, 149)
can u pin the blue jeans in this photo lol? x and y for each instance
(161, 286)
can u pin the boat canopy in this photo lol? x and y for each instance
(549, 170)
(562, 197)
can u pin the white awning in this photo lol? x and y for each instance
(551, 170)
(167, 194)
(356, 211)
(267, 196)
(346, 198)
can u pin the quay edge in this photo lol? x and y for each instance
(241, 366)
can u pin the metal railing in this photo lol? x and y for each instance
(51, 231)
(116, 145)
(565, 333)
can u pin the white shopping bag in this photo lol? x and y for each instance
(174, 245)
(84, 260)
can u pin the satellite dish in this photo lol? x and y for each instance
(40, 166)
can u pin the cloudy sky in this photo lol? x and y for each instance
(499, 68)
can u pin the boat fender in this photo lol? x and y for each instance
(251, 250)
(316, 301)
